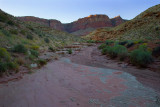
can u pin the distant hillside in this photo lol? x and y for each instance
(144, 26)
(80, 27)
(13, 31)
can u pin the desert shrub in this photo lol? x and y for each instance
(23, 32)
(118, 50)
(69, 51)
(10, 22)
(14, 31)
(34, 52)
(141, 57)
(52, 49)
(20, 61)
(3, 17)
(31, 57)
(6, 33)
(91, 41)
(46, 40)
(108, 42)
(123, 42)
(102, 46)
(30, 37)
(35, 47)
(104, 51)
(3, 67)
(143, 47)
(130, 44)
(13, 66)
(20, 48)
(41, 62)
(4, 55)
(5, 61)
(156, 51)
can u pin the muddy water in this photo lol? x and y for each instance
(66, 84)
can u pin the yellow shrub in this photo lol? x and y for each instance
(35, 47)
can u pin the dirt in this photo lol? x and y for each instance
(84, 79)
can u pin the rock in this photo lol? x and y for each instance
(34, 65)
(124, 66)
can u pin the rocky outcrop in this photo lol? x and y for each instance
(81, 25)
(117, 21)
(50, 23)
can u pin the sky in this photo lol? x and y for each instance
(68, 11)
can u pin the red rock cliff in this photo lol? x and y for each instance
(92, 21)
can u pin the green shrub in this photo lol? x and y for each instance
(123, 42)
(156, 51)
(118, 50)
(3, 17)
(31, 57)
(4, 55)
(20, 48)
(69, 51)
(34, 52)
(109, 42)
(30, 37)
(13, 66)
(143, 47)
(130, 44)
(102, 46)
(46, 40)
(14, 31)
(104, 51)
(41, 62)
(3, 67)
(91, 41)
(51, 49)
(5, 62)
(10, 22)
(141, 57)
(23, 32)
(6, 33)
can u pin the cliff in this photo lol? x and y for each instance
(79, 27)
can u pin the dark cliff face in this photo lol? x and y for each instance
(92, 21)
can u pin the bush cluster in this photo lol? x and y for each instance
(46, 40)
(34, 52)
(41, 62)
(118, 51)
(141, 57)
(6, 63)
(20, 48)
(14, 31)
(30, 37)
(69, 51)
(102, 46)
